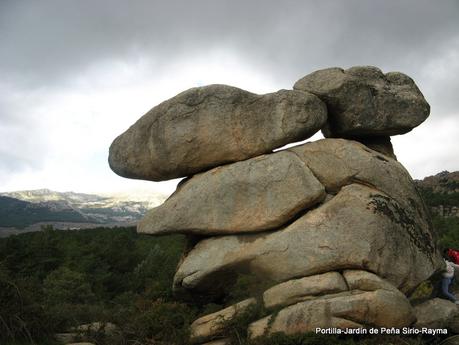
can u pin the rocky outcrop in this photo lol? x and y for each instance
(336, 227)
(362, 101)
(351, 299)
(354, 309)
(208, 126)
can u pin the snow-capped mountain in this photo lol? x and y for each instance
(47, 205)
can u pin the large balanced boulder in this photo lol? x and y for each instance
(363, 101)
(254, 195)
(336, 228)
(208, 126)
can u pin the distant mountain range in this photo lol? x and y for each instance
(27, 209)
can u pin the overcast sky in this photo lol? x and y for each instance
(77, 73)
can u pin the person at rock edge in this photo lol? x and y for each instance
(448, 275)
(453, 255)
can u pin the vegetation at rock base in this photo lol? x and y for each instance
(53, 280)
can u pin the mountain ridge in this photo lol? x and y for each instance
(22, 209)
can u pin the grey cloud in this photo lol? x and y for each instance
(45, 44)
(13, 163)
(54, 38)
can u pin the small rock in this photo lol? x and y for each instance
(107, 328)
(435, 313)
(212, 325)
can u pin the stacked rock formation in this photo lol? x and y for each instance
(336, 225)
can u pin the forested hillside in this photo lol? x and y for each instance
(19, 213)
(52, 280)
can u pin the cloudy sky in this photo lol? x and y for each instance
(75, 74)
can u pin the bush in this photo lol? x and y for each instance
(21, 314)
(159, 321)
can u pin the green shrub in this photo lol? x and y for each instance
(159, 321)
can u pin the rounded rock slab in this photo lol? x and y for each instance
(359, 228)
(363, 101)
(257, 194)
(208, 126)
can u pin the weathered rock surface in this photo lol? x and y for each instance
(254, 195)
(435, 313)
(339, 162)
(208, 126)
(211, 325)
(362, 101)
(354, 309)
(366, 281)
(360, 228)
(297, 290)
